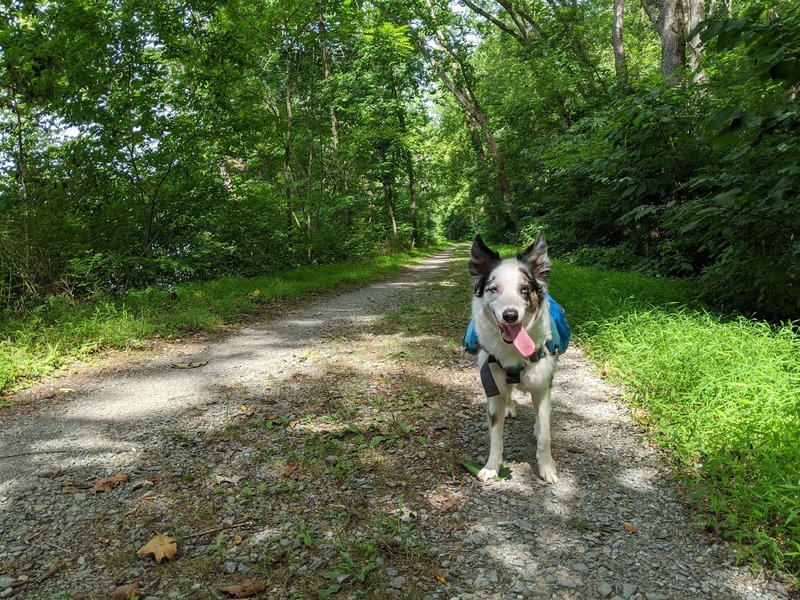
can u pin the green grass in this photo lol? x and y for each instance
(722, 397)
(60, 332)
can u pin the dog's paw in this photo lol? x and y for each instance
(547, 471)
(511, 409)
(486, 474)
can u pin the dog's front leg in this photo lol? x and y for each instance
(544, 455)
(496, 412)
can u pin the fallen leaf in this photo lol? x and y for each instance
(439, 577)
(69, 489)
(106, 484)
(237, 539)
(243, 407)
(125, 592)
(606, 370)
(293, 424)
(290, 467)
(271, 417)
(246, 589)
(189, 365)
(554, 454)
(630, 527)
(160, 547)
(66, 390)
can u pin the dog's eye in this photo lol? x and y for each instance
(492, 289)
(525, 289)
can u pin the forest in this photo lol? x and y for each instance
(151, 143)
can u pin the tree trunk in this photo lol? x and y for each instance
(673, 40)
(620, 64)
(696, 12)
(409, 161)
(23, 189)
(287, 142)
(326, 70)
(475, 114)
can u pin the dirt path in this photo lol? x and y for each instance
(319, 452)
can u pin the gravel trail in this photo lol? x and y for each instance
(318, 453)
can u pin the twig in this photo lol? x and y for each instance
(52, 545)
(215, 530)
(33, 452)
(36, 581)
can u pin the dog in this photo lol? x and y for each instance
(512, 319)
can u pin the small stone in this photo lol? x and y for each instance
(229, 566)
(629, 589)
(7, 593)
(655, 596)
(6, 582)
(398, 582)
(142, 484)
(422, 455)
(604, 590)
(568, 583)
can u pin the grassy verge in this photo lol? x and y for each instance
(720, 395)
(61, 332)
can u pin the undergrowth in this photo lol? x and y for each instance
(720, 396)
(60, 331)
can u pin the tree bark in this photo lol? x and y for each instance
(287, 142)
(326, 70)
(620, 64)
(696, 12)
(673, 40)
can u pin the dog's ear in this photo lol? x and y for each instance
(537, 260)
(481, 262)
(482, 258)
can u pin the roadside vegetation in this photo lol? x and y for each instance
(718, 394)
(60, 331)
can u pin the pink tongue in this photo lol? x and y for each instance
(524, 343)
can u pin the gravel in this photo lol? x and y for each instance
(321, 448)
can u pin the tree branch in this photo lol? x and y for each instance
(497, 22)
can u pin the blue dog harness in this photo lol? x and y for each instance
(558, 345)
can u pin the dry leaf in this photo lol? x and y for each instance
(69, 489)
(125, 592)
(606, 370)
(246, 589)
(65, 390)
(237, 539)
(161, 546)
(243, 407)
(290, 467)
(271, 417)
(630, 527)
(439, 577)
(293, 424)
(106, 484)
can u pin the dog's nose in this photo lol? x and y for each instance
(510, 315)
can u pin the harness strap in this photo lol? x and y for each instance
(512, 373)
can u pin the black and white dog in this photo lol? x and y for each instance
(512, 320)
